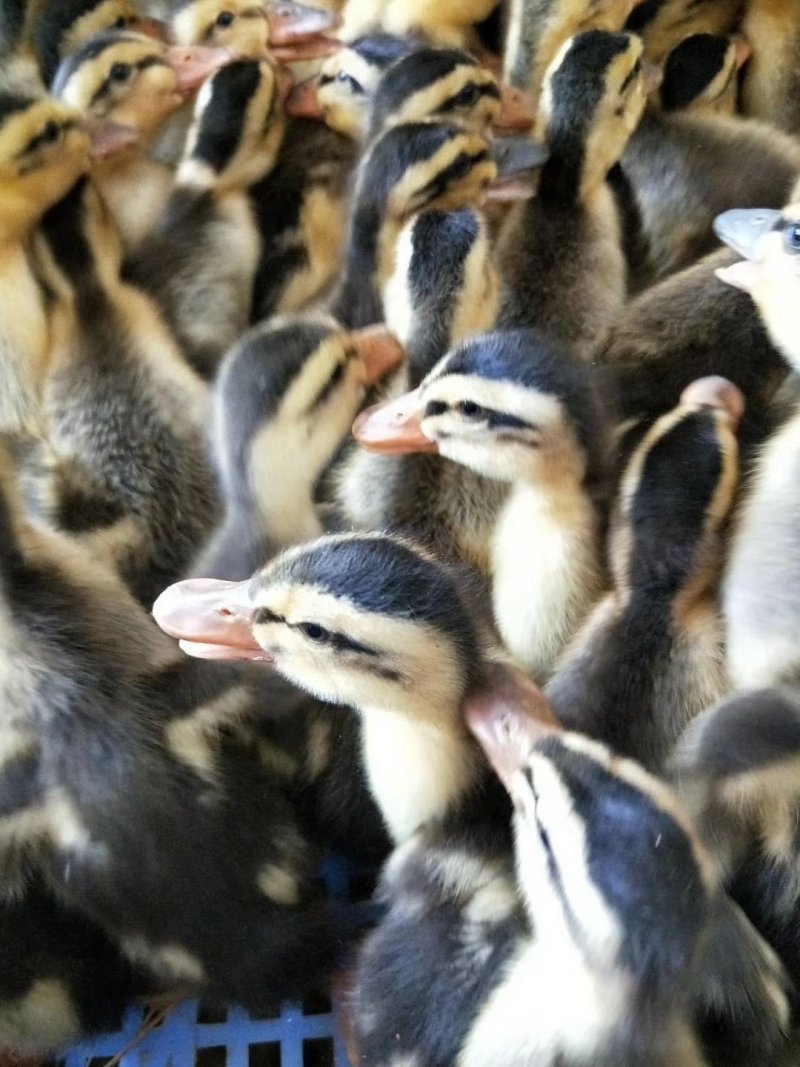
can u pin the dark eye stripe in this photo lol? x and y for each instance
(45, 137)
(459, 168)
(637, 66)
(482, 91)
(263, 616)
(329, 386)
(143, 64)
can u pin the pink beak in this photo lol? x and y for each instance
(194, 64)
(517, 113)
(303, 101)
(108, 138)
(211, 619)
(716, 392)
(395, 427)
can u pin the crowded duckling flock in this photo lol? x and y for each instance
(399, 458)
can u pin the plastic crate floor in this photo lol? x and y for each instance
(293, 1039)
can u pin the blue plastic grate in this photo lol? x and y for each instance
(295, 1038)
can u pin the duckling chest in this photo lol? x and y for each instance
(23, 339)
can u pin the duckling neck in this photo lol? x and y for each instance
(418, 771)
(370, 244)
(71, 230)
(546, 571)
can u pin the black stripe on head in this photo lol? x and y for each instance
(384, 576)
(410, 75)
(88, 52)
(577, 87)
(11, 104)
(532, 360)
(643, 14)
(381, 49)
(454, 172)
(751, 732)
(668, 509)
(397, 151)
(691, 67)
(223, 119)
(52, 28)
(256, 376)
(641, 861)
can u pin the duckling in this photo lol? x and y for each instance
(121, 404)
(43, 151)
(62, 978)
(561, 254)
(663, 24)
(138, 83)
(701, 74)
(288, 30)
(537, 30)
(128, 787)
(514, 407)
(650, 656)
(200, 260)
(685, 167)
(410, 168)
(340, 95)
(64, 27)
(771, 88)
(372, 622)
(291, 387)
(449, 22)
(737, 768)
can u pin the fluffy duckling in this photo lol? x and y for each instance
(701, 74)
(372, 622)
(537, 30)
(122, 406)
(663, 24)
(129, 787)
(139, 83)
(650, 656)
(199, 262)
(737, 766)
(291, 387)
(43, 151)
(561, 254)
(771, 89)
(340, 95)
(412, 167)
(290, 31)
(513, 407)
(63, 27)
(448, 22)
(685, 167)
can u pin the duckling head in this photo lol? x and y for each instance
(769, 242)
(593, 96)
(132, 80)
(63, 27)
(238, 126)
(364, 620)
(340, 96)
(288, 30)
(700, 74)
(450, 85)
(604, 852)
(284, 400)
(44, 150)
(676, 493)
(509, 405)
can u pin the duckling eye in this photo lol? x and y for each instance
(347, 79)
(120, 72)
(792, 238)
(225, 18)
(468, 408)
(314, 632)
(467, 97)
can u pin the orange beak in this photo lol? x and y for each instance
(517, 111)
(380, 351)
(303, 101)
(192, 65)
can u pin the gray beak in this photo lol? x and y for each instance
(515, 155)
(742, 229)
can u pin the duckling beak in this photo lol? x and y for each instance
(507, 717)
(716, 392)
(154, 28)
(108, 138)
(516, 158)
(380, 351)
(303, 101)
(517, 110)
(297, 33)
(193, 65)
(743, 228)
(395, 427)
(210, 618)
